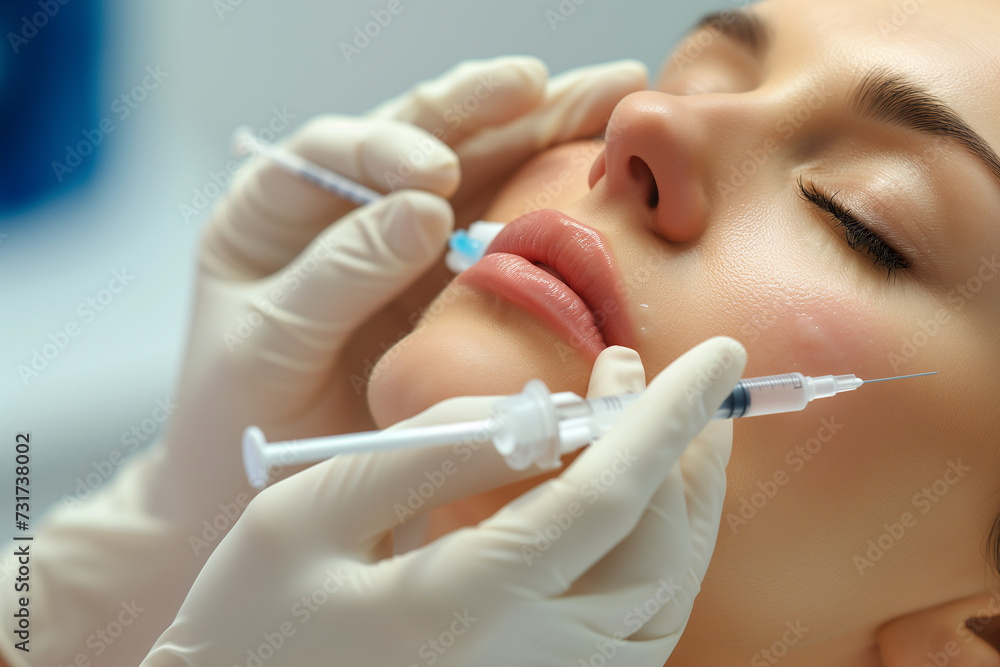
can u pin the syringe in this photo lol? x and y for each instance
(537, 426)
(465, 247)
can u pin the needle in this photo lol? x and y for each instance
(900, 377)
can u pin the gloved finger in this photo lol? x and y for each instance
(618, 370)
(470, 96)
(659, 567)
(617, 646)
(612, 483)
(577, 104)
(347, 273)
(704, 468)
(350, 499)
(644, 571)
(389, 488)
(620, 581)
(270, 214)
(703, 477)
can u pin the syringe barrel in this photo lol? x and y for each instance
(767, 396)
(570, 422)
(754, 396)
(601, 411)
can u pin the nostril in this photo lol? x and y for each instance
(642, 173)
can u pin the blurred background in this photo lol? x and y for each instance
(115, 119)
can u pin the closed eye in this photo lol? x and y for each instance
(859, 236)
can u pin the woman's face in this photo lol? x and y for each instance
(708, 198)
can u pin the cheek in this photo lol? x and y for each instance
(821, 330)
(804, 322)
(801, 309)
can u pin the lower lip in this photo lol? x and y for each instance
(520, 282)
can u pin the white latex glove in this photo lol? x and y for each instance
(605, 558)
(126, 558)
(492, 144)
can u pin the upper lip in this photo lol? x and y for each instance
(579, 254)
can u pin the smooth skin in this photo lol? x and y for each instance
(854, 531)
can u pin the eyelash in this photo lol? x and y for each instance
(859, 237)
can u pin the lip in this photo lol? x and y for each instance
(583, 306)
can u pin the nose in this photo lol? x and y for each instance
(658, 155)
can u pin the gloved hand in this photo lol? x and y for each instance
(605, 558)
(287, 274)
(347, 290)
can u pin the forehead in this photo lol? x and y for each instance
(951, 47)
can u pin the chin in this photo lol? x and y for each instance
(470, 343)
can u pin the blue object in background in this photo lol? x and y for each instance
(50, 64)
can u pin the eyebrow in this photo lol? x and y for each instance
(742, 26)
(888, 97)
(882, 95)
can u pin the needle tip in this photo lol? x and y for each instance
(902, 377)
